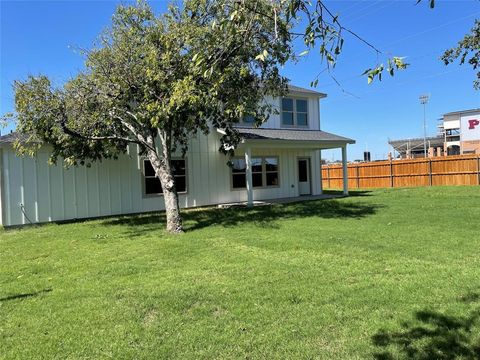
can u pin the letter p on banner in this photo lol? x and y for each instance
(472, 124)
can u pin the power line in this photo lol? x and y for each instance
(409, 37)
(354, 77)
(433, 28)
(342, 12)
(387, 4)
(430, 76)
(343, 18)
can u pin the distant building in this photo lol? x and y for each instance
(461, 132)
(413, 148)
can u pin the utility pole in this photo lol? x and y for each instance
(424, 100)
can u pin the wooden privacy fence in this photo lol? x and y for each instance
(449, 170)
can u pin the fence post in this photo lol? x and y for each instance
(358, 178)
(478, 168)
(328, 175)
(391, 173)
(430, 172)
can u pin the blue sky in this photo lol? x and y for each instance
(41, 37)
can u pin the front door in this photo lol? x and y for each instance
(304, 176)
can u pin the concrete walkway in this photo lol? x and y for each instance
(283, 200)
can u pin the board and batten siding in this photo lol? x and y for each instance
(34, 191)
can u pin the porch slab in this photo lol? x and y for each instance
(282, 200)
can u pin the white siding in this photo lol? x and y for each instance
(451, 124)
(53, 193)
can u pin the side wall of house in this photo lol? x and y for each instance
(34, 191)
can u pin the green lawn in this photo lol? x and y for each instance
(385, 274)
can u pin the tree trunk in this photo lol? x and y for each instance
(164, 173)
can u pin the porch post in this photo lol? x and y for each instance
(320, 170)
(345, 169)
(248, 163)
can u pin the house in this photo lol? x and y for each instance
(284, 155)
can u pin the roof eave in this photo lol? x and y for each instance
(469, 111)
(308, 93)
(295, 144)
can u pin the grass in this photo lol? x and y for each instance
(387, 274)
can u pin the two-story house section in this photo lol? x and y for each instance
(280, 159)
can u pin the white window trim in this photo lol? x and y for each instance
(263, 172)
(294, 112)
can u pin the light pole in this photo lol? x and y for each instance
(424, 100)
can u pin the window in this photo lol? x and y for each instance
(257, 177)
(152, 183)
(239, 171)
(287, 112)
(294, 112)
(271, 171)
(248, 119)
(302, 112)
(264, 172)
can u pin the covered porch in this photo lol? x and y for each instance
(305, 172)
(287, 200)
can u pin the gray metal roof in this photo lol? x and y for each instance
(11, 138)
(469, 111)
(403, 144)
(292, 134)
(294, 88)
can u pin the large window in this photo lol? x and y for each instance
(294, 112)
(264, 172)
(152, 183)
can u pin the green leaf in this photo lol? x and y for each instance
(260, 57)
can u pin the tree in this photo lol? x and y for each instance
(467, 49)
(157, 81)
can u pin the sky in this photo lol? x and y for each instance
(43, 37)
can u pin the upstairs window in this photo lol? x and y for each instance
(294, 112)
(152, 183)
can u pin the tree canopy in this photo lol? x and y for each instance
(467, 50)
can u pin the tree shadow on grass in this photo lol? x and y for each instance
(351, 193)
(433, 335)
(263, 216)
(23, 296)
